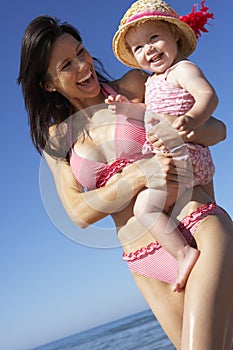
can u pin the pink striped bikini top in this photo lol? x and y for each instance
(129, 137)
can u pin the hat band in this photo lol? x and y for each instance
(148, 13)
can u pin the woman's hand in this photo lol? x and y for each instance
(162, 134)
(208, 134)
(162, 171)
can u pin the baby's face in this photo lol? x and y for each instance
(153, 45)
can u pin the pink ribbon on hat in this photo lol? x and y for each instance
(195, 19)
(148, 13)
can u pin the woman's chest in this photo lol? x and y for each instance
(112, 143)
(98, 144)
(110, 137)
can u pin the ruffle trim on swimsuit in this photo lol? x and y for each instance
(187, 226)
(142, 252)
(111, 170)
(190, 222)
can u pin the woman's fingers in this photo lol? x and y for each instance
(163, 171)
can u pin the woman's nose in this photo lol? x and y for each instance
(79, 64)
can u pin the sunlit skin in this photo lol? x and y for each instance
(203, 313)
(72, 72)
(153, 45)
(61, 81)
(155, 48)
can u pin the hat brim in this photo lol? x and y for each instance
(187, 42)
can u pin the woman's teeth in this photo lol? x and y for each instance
(86, 77)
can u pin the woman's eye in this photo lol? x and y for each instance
(80, 51)
(66, 65)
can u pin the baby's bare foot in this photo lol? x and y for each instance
(186, 259)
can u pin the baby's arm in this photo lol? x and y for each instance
(122, 105)
(191, 78)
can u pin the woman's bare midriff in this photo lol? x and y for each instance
(133, 235)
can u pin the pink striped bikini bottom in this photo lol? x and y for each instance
(154, 261)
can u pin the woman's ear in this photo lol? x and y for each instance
(49, 86)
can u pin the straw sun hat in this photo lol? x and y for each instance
(156, 10)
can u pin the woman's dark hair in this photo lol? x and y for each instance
(44, 108)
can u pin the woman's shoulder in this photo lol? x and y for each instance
(131, 85)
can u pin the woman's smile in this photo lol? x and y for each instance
(87, 78)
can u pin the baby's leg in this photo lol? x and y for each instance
(148, 210)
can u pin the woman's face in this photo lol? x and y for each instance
(72, 71)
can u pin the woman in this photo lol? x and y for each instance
(58, 78)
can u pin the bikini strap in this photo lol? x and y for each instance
(107, 90)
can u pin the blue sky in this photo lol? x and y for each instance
(52, 286)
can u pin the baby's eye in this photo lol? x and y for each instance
(153, 37)
(137, 48)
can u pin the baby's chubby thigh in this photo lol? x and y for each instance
(152, 200)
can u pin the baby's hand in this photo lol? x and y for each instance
(118, 98)
(185, 126)
(118, 104)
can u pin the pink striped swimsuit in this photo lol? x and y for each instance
(155, 262)
(164, 98)
(152, 261)
(128, 140)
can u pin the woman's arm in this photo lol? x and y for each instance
(130, 98)
(85, 208)
(132, 85)
(210, 133)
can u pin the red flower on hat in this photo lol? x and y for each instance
(198, 19)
